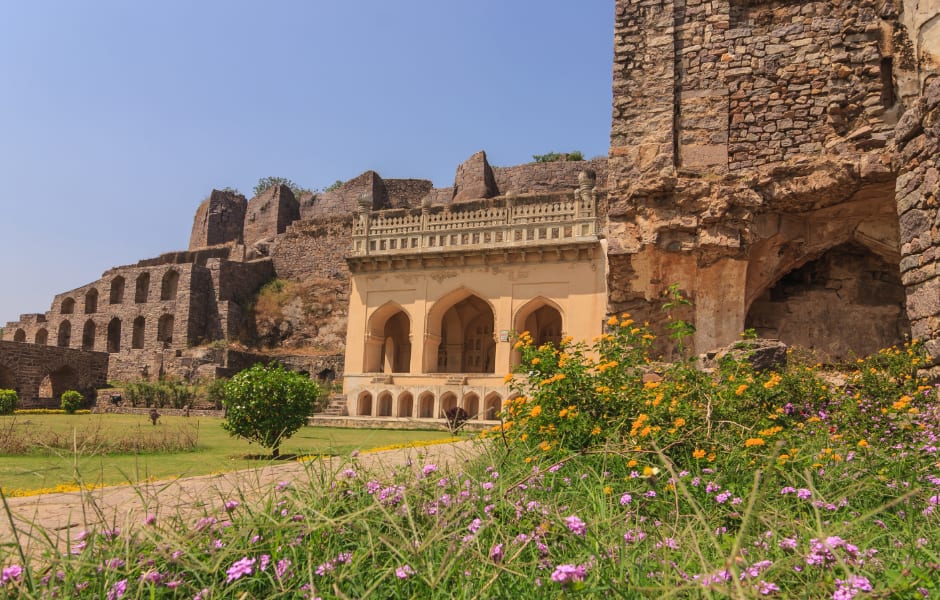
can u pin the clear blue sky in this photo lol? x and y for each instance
(117, 118)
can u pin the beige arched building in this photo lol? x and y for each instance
(438, 292)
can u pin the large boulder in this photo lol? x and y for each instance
(762, 354)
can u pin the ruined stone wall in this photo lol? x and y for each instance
(314, 249)
(219, 220)
(918, 206)
(44, 372)
(407, 193)
(547, 177)
(269, 214)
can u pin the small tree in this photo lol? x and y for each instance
(8, 400)
(71, 401)
(268, 182)
(268, 404)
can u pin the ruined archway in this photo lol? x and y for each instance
(388, 347)
(19, 335)
(88, 335)
(91, 301)
(460, 340)
(165, 329)
(68, 306)
(42, 336)
(117, 290)
(58, 381)
(65, 334)
(385, 404)
(7, 378)
(844, 303)
(137, 335)
(142, 288)
(169, 286)
(114, 335)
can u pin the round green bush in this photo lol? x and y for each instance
(71, 401)
(268, 404)
(8, 400)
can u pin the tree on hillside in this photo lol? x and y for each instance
(268, 404)
(267, 182)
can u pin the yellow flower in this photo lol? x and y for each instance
(507, 378)
(596, 430)
(545, 446)
(563, 413)
(741, 389)
(535, 360)
(679, 422)
(608, 490)
(754, 442)
(612, 320)
(862, 443)
(631, 463)
(699, 453)
(536, 411)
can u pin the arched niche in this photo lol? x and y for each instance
(42, 336)
(88, 335)
(57, 381)
(142, 288)
(169, 285)
(405, 405)
(138, 332)
(460, 340)
(448, 401)
(364, 405)
(68, 306)
(91, 301)
(388, 347)
(65, 334)
(426, 405)
(19, 335)
(114, 335)
(492, 406)
(117, 290)
(385, 404)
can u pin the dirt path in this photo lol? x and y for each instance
(62, 516)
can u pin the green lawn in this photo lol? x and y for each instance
(216, 450)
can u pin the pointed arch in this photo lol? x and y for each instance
(388, 343)
(42, 336)
(385, 404)
(165, 329)
(19, 335)
(117, 290)
(460, 334)
(492, 405)
(405, 405)
(68, 306)
(114, 335)
(169, 285)
(142, 288)
(88, 335)
(448, 401)
(91, 301)
(426, 405)
(542, 318)
(65, 334)
(471, 404)
(137, 337)
(364, 404)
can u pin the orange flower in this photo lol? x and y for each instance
(754, 442)
(699, 453)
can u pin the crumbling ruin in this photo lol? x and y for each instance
(777, 159)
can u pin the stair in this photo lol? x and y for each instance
(336, 407)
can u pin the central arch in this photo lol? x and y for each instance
(460, 340)
(88, 335)
(58, 381)
(388, 346)
(114, 335)
(65, 334)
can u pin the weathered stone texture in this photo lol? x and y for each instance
(314, 249)
(219, 220)
(40, 374)
(475, 179)
(547, 177)
(269, 214)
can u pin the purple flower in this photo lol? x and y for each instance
(496, 553)
(231, 505)
(150, 520)
(117, 590)
(281, 567)
(803, 493)
(565, 574)
(626, 499)
(634, 535)
(576, 525)
(404, 572)
(788, 490)
(846, 589)
(722, 497)
(766, 588)
(152, 576)
(11, 573)
(428, 469)
(787, 544)
(240, 568)
(474, 525)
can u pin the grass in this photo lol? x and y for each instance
(216, 451)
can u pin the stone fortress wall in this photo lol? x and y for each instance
(778, 159)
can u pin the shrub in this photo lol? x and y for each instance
(71, 401)
(267, 404)
(456, 417)
(8, 400)
(215, 392)
(166, 393)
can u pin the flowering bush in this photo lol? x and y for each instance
(71, 401)
(267, 404)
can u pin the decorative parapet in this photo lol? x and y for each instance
(505, 222)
